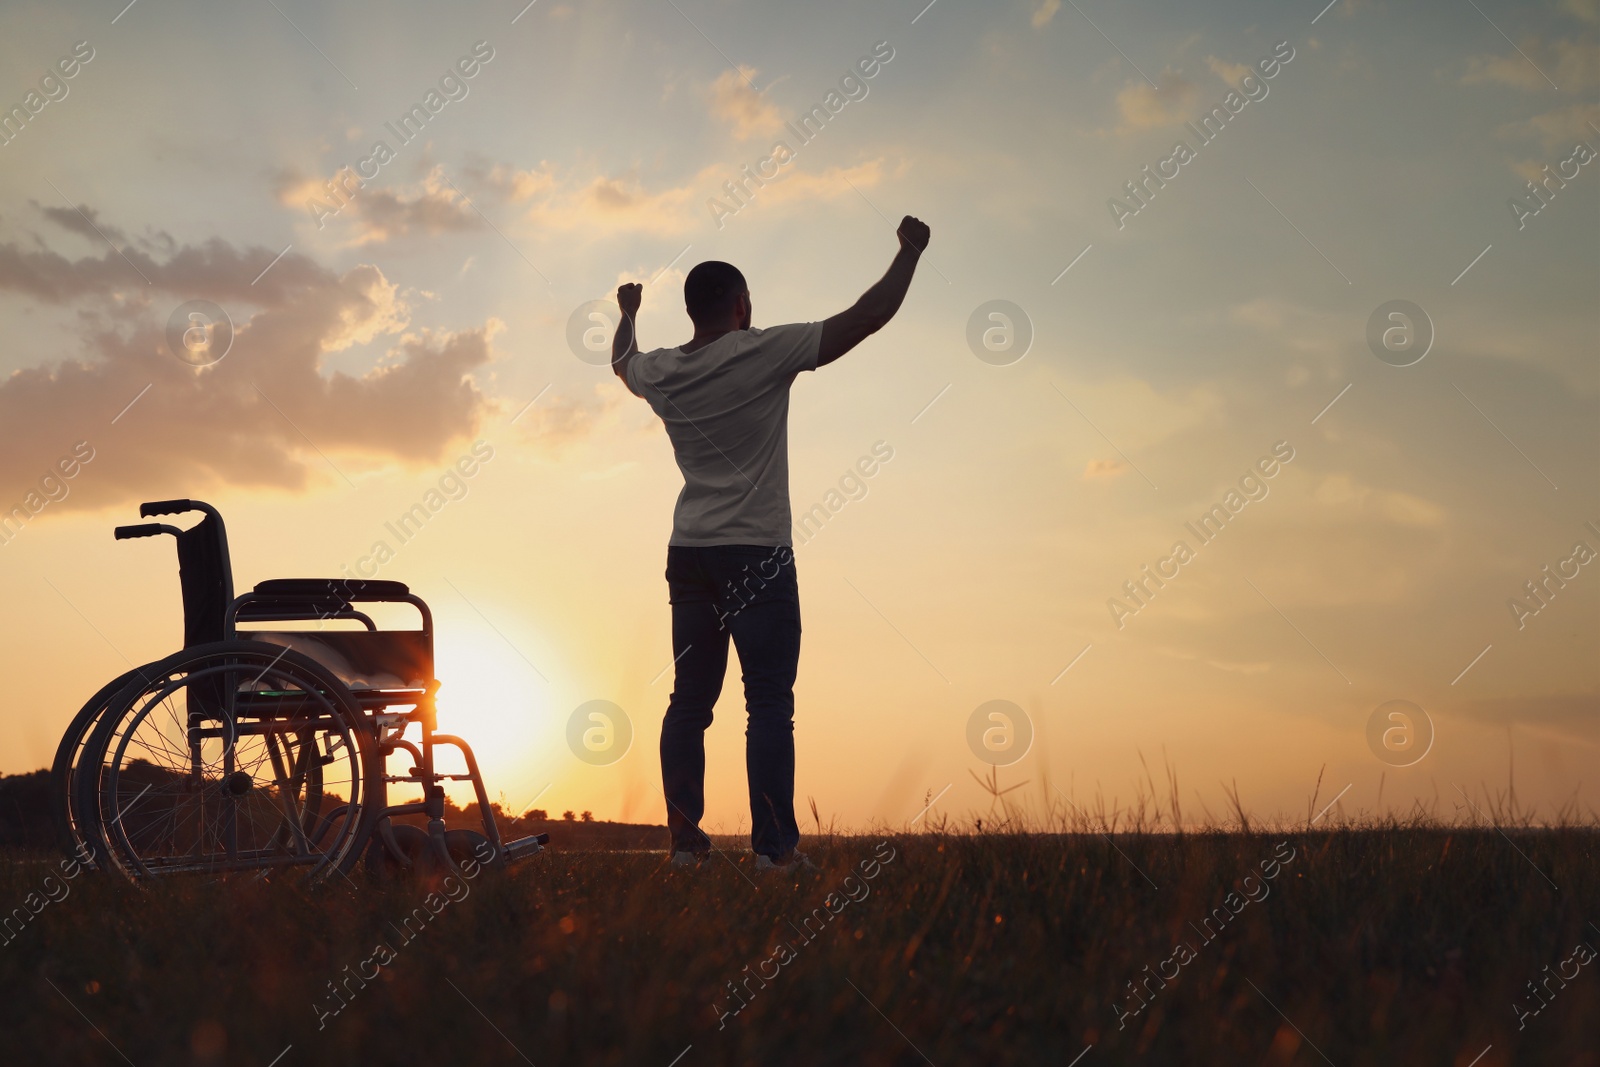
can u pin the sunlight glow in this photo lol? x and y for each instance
(493, 699)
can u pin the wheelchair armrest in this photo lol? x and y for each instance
(323, 598)
(285, 610)
(328, 589)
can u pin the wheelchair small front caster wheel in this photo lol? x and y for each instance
(414, 844)
(465, 845)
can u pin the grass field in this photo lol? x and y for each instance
(1411, 945)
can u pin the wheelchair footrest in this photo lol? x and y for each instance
(525, 846)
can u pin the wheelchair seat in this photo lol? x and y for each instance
(366, 588)
(379, 666)
(364, 660)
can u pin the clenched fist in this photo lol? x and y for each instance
(914, 234)
(629, 296)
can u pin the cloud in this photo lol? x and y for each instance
(1141, 418)
(383, 214)
(1560, 128)
(1232, 73)
(1571, 65)
(1103, 469)
(511, 184)
(1354, 500)
(83, 221)
(1348, 8)
(266, 416)
(1044, 13)
(588, 201)
(1333, 540)
(606, 204)
(1584, 10)
(1144, 107)
(1571, 714)
(214, 271)
(748, 112)
(376, 214)
(1239, 668)
(559, 421)
(800, 186)
(1307, 331)
(1530, 170)
(594, 203)
(375, 311)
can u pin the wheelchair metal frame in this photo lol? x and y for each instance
(206, 572)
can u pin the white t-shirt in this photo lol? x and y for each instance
(726, 409)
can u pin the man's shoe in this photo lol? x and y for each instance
(688, 859)
(796, 862)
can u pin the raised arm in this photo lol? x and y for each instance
(871, 313)
(624, 344)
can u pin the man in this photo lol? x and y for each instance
(724, 398)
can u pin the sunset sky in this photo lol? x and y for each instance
(1173, 347)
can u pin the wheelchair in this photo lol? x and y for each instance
(254, 749)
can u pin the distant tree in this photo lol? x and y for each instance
(587, 816)
(539, 815)
(567, 816)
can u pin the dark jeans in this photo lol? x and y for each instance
(749, 593)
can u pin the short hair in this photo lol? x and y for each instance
(711, 289)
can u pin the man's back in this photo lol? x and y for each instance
(726, 409)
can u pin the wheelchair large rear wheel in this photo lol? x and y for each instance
(71, 747)
(236, 756)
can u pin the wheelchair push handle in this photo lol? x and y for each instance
(147, 529)
(165, 507)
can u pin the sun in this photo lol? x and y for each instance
(493, 699)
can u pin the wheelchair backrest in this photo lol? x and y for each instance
(206, 577)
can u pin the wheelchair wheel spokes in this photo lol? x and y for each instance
(233, 759)
(73, 827)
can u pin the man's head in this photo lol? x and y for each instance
(715, 295)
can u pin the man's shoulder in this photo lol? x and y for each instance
(795, 337)
(644, 368)
(792, 347)
(653, 358)
(787, 330)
